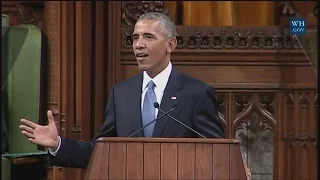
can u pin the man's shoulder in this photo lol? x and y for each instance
(193, 82)
(129, 82)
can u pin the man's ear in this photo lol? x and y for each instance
(172, 44)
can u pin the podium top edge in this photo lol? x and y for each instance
(168, 140)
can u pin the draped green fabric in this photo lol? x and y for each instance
(22, 88)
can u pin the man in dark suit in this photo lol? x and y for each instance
(131, 103)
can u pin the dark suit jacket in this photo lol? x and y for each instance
(196, 107)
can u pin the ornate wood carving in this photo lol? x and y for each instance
(298, 106)
(53, 18)
(299, 133)
(248, 103)
(289, 115)
(222, 99)
(132, 10)
(24, 12)
(244, 38)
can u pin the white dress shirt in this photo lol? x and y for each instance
(160, 82)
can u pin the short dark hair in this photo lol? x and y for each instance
(165, 21)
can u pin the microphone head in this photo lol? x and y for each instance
(156, 104)
(175, 106)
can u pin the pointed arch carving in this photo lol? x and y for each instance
(222, 109)
(255, 104)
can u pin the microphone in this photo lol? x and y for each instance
(164, 113)
(156, 105)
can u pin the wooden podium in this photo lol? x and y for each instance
(166, 158)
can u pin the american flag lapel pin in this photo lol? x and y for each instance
(173, 97)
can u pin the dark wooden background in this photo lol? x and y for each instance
(253, 69)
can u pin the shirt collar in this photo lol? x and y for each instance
(159, 80)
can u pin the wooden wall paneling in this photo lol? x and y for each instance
(83, 64)
(68, 74)
(68, 58)
(65, 58)
(82, 91)
(314, 155)
(52, 17)
(52, 21)
(114, 42)
(254, 117)
(82, 70)
(100, 61)
(298, 134)
(279, 161)
(222, 101)
(307, 137)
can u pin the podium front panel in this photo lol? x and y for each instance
(165, 160)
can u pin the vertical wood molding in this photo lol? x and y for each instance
(77, 74)
(52, 18)
(114, 43)
(52, 21)
(100, 69)
(68, 59)
(64, 58)
(79, 7)
(297, 135)
(83, 68)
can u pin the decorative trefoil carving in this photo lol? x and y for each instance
(132, 10)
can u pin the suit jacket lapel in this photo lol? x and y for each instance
(134, 105)
(170, 98)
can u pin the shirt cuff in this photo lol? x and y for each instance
(54, 153)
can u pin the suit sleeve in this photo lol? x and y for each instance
(206, 118)
(74, 153)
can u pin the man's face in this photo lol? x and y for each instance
(151, 46)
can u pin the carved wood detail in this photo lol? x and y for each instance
(299, 107)
(132, 10)
(290, 114)
(222, 100)
(52, 10)
(242, 38)
(299, 133)
(24, 12)
(260, 103)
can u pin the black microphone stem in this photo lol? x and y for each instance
(182, 123)
(151, 122)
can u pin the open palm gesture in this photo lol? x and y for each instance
(42, 135)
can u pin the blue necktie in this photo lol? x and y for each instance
(148, 111)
